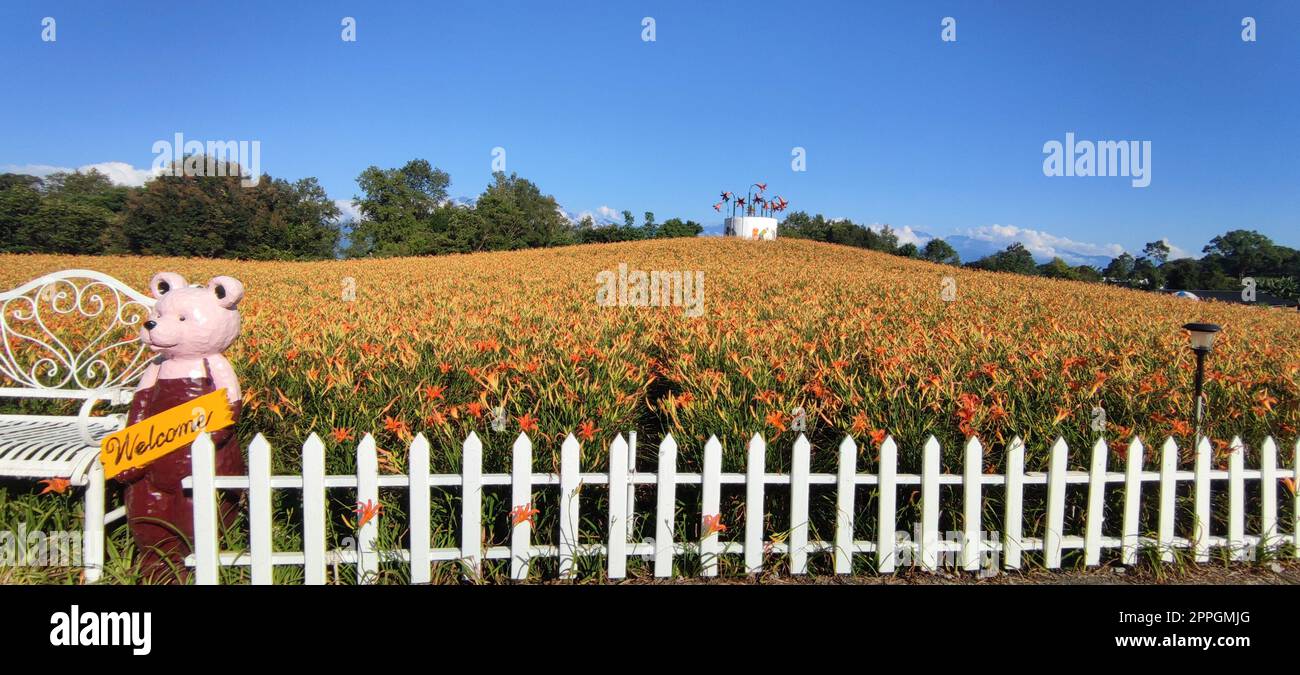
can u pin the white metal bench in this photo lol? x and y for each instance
(70, 335)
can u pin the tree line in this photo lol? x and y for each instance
(1227, 259)
(404, 211)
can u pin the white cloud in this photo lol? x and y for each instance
(347, 211)
(601, 215)
(1177, 252)
(120, 173)
(905, 234)
(1042, 244)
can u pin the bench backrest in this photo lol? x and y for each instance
(71, 334)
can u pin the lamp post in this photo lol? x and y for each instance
(1202, 336)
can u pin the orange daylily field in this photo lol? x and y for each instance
(861, 341)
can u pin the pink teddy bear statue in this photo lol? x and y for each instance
(189, 328)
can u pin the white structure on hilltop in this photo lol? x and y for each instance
(750, 227)
(754, 215)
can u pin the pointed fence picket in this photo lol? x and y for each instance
(666, 508)
(1014, 545)
(754, 504)
(891, 548)
(569, 513)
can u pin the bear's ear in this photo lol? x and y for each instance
(228, 291)
(163, 282)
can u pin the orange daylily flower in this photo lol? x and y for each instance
(342, 434)
(527, 423)
(587, 430)
(56, 485)
(860, 424)
(713, 524)
(776, 419)
(523, 514)
(367, 511)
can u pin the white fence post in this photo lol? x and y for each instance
(799, 506)
(1237, 500)
(711, 505)
(929, 539)
(631, 486)
(886, 511)
(1054, 529)
(1132, 499)
(617, 549)
(313, 511)
(521, 501)
(471, 506)
(1201, 516)
(1168, 494)
(570, 467)
(1096, 515)
(972, 501)
(203, 462)
(92, 542)
(259, 510)
(367, 497)
(1295, 500)
(844, 505)
(1268, 492)
(1015, 492)
(421, 530)
(754, 512)
(665, 507)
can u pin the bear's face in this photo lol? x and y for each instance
(192, 321)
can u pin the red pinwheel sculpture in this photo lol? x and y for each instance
(753, 203)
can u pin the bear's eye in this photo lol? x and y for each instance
(182, 317)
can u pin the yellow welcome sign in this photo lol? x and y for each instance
(166, 432)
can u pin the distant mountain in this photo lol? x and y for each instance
(597, 217)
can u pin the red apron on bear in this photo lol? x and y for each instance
(160, 512)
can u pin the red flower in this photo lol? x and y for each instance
(527, 423)
(523, 514)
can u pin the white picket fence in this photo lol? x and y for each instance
(888, 547)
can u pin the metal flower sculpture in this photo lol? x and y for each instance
(753, 203)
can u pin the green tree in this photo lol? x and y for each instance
(216, 216)
(397, 207)
(1242, 253)
(1120, 268)
(1056, 268)
(1157, 251)
(515, 214)
(1014, 258)
(675, 227)
(940, 251)
(19, 202)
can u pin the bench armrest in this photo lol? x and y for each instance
(118, 397)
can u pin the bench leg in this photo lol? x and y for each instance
(93, 529)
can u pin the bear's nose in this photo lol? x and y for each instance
(148, 325)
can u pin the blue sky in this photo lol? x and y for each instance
(899, 127)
